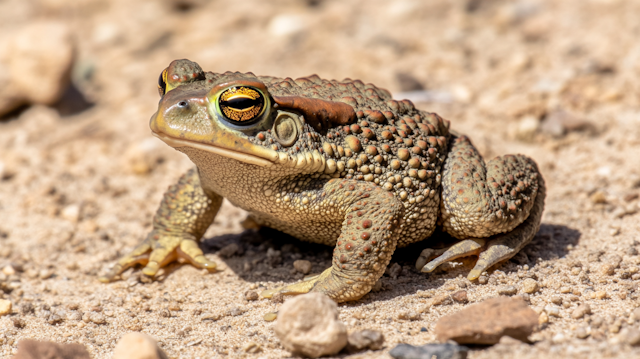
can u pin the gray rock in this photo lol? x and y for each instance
(429, 351)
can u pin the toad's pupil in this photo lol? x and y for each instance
(242, 103)
(161, 84)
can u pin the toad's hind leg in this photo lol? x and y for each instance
(366, 243)
(496, 209)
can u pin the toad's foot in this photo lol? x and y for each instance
(184, 215)
(499, 247)
(297, 288)
(367, 239)
(156, 252)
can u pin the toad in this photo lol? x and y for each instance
(335, 162)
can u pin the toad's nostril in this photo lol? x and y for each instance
(182, 104)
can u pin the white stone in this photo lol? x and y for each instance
(5, 307)
(286, 24)
(138, 346)
(308, 325)
(71, 213)
(37, 61)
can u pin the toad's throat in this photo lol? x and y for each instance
(225, 152)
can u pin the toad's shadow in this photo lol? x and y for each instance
(267, 255)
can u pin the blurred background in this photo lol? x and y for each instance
(521, 68)
(81, 176)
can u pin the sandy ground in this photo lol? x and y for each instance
(556, 80)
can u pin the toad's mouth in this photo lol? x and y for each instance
(266, 161)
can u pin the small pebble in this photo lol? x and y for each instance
(71, 213)
(18, 322)
(409, 315)
(394, 270)
(483, 279)
(252, 348)
(460, 296)
(97, 318)
(598, 197)
(558, 338)
(74, 315)
(582, 332)
(581, 311)
(602, 295)
(235, 311)
(229, 250)
(26, 308)
(251, 295)
(530, 286)
(552, 310)
(5, 307)
(364, 340)
(8, 270)
(138, 346)
(211, 316)
(508, 290)
(565, 290)
(543, 318)
(54, 319)
(302, 266)
(596, 322)
(575, 270)
(607, 269)
(278, 298)
(557, 300)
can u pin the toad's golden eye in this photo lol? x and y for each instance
(241, 104)
(162, 83)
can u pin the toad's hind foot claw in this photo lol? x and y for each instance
(302, 287)
(465, 248)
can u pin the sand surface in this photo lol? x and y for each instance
(556, 80)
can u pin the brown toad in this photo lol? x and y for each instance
(333, 162)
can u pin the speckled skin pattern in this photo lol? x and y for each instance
(364, 178)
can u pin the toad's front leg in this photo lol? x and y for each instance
(185, 213)
(366, 243)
